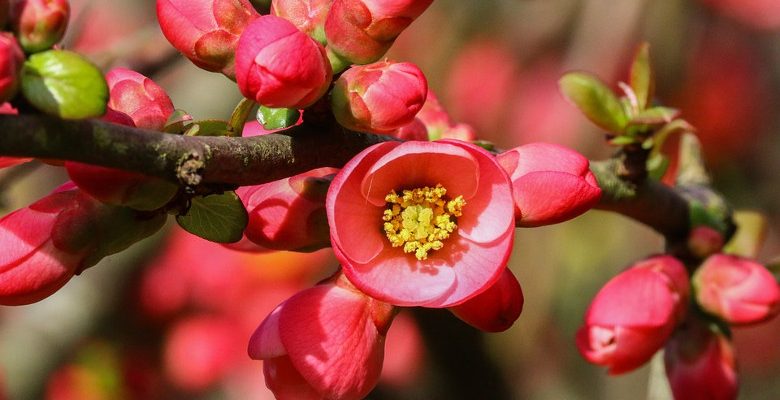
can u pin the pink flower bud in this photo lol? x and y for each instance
(307, 15)
(550, 183)
(439, 123)
(700, 364)
(39, 24)
(11, 60)
(58, 236)
(379, 97)
(415, 130)
(324, 342)
(206, 31)
(704, 241)
(634, 314)
(738, 290)
(497, 308)
(279, 66)
(138, 97)
(289, 214)
(361, 31)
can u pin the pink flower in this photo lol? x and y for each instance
(206, 31)
(39, 24)
(289, 214)
(324, 342)
(634, 314)
(700, 364)
(551, 183)
(414, 130)
(761, 14)
(279, 66)
(439, 123)
(11, 60)
(738, 290)
(134, 100)
(140, 98)
(361, 31)
(422, 223)
(495, 309)
(379, 97)
(307, 15)
(58, 236)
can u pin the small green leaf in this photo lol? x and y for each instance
(64, 84)
(595, 100)
(622, 140)
(657, 166)
(642, 80)
(655, 116)
(751, 233)
(177, 121)
(240, 115)
(209, 127)
(277, 118)
(219, 218)
(487, 145)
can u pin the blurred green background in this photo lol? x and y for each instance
(494, 64)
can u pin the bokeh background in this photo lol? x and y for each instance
(171, 317)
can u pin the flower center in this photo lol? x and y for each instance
(419, 220)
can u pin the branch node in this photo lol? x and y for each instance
(190, 169)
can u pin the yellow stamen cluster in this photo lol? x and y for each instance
(419, 220)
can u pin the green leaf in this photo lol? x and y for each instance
(622, 140)
(64, 84)
(751, 233)
(177, 121)
(655, 116)
(209, 127)
(277, 118)
(240, 115)
(657, 166)
(642, 80)
(219, 218)
(595, 100)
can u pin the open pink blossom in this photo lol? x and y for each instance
(289, 214)
(738, 290)
(279, 66)
(634, 314)
(422, 223)
(206, 31)
(361, 31)
(324, 342)
(379, 97)
(700, 363)
(497, 308)
(551, 183)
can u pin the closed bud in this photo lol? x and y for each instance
(550, 183)
(134, 100)
(415, 130)
(11, 61)
(59, 236)
(361, 31)
(307, 15)
(737, 290)
(700, 363)
(289, 214)
(206, 31)
(495, 309)
(379, 97)
(439, 123)
(634, 314)
(39, 24)
(704, 241)
(279, 66)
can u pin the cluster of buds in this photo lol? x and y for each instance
(646, 308)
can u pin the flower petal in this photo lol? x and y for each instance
(550, 197)
(286, 382)
(266, 343)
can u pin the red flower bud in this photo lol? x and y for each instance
(379, 97)
(11, 60)
(140, 98)
(495, 309)
(700, 364)
(439, 123)
(39, 24)
(634, 314)
(344, 328)
(704, 241)
(289, 214)
(307, 15)
(134, 100)
(279, 66)
(415, 130)
(738, 290)
(206, 31)
(361, 31)
(58, 236)
(550, 183)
